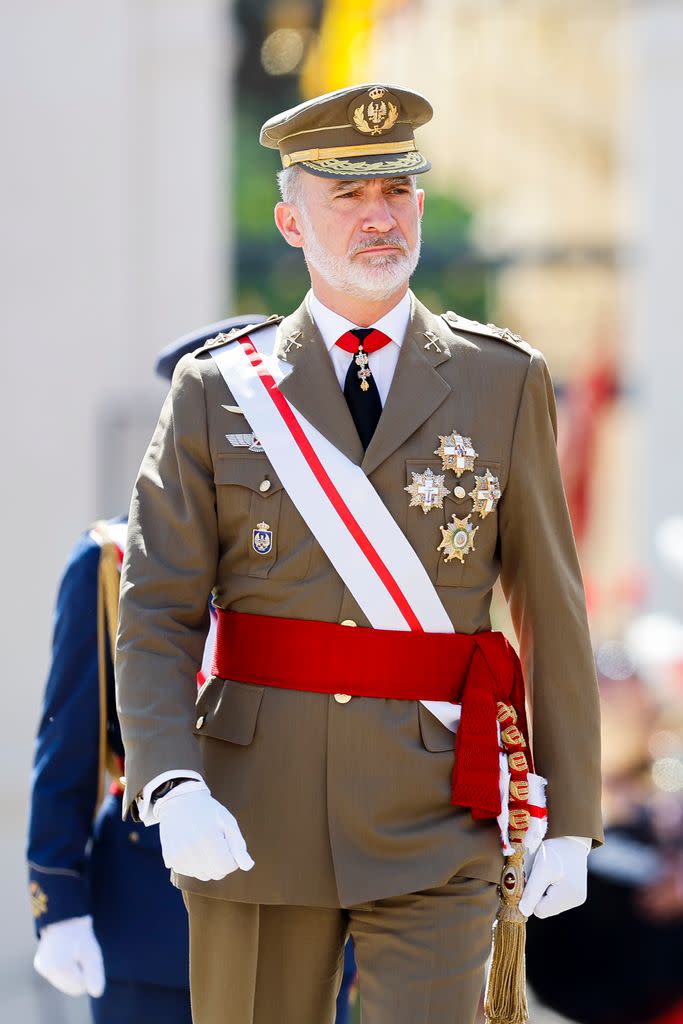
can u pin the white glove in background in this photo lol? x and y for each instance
(558, 878)
(70, 958)
(199, 836)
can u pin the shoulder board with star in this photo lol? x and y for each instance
(224, 339)
(461, 323)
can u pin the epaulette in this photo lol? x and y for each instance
(238, 332)
(461, 323)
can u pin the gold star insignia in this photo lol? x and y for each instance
(38, 900)
(485, 494)
(457, 539)
(456, 452)
(426, 491)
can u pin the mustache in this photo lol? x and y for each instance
(395, 240)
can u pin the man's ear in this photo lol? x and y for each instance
(287, 220)
(420, 193)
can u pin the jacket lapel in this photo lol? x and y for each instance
(312, 386)
(417, 388)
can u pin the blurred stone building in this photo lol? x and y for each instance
(533, 103)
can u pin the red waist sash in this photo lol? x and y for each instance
(476, 671)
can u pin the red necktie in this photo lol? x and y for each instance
(360, 390)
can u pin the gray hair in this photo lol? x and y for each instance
(290, 181)
(291, 185)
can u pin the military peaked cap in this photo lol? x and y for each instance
(365, 131)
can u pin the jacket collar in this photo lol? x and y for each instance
(417, 390)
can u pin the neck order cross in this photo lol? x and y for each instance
(362, 342)
(362, 398)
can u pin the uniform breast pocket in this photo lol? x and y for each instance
(469, 538)
(248, 503)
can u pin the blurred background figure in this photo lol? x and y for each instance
(617, 959)
(109, 922)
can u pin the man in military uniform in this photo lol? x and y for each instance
(395, 464)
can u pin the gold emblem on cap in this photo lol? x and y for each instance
(378, 114)
(426, 491)
(485, 494)
(456, 452)
(457, 539)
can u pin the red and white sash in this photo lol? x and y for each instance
(342, 509)
(334, 496)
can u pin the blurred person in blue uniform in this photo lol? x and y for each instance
(109, 922)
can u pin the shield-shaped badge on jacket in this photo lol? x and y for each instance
(262, 539)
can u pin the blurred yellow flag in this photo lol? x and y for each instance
(341, 56)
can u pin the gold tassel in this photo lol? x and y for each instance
(108, 584)
(505, 999)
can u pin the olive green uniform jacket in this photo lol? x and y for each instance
(345, 803)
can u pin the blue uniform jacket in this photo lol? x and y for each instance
(82, 864)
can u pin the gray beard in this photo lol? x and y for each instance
(378, 278)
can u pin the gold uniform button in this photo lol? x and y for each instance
(459, 493)
(264, 486)
(343, 698)
(134, 837)
(200, 722)
(349, 622)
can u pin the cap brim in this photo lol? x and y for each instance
(380, 165)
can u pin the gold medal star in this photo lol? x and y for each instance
(456, 452)
(426, 491)
(485, 494)
(457, 539)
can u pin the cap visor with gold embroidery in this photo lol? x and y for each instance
(366, 131)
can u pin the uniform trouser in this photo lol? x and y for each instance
(132, 1002)
(420, 957)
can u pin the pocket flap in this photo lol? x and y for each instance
(227, 710)
(435, 736)
(251, 471)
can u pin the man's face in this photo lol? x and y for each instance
(361, 236)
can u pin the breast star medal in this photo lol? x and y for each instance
(485, 494)
(262, 539)
(457, 538)
(426, 491)
(456, 453)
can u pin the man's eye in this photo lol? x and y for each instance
(346, 195)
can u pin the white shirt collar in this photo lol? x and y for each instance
(332, 325)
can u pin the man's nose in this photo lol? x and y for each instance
(378, 216)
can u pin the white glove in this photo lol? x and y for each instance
(70, 958)
(558, 878)
(199, 836)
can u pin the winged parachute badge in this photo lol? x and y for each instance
(426, 491)
(485, 494)
(245, 441)
(457, 539)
